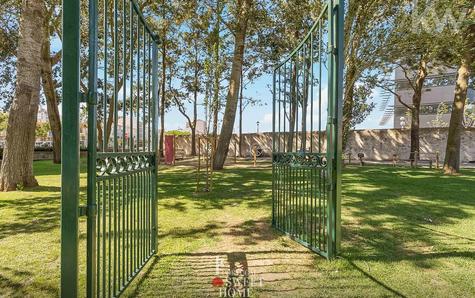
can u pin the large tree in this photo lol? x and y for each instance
(242, 12)
(9, 15)
(50, 85)
(412, 49)
(465, 53)
(170, 18)
(50, 30)
(17, 165)
(415, 75)
(191, 64)
(368, 27)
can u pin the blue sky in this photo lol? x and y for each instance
(263, 113)
(259, 89)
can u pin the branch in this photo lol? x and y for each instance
(182, 110)
(83, 86)
(56, 57)
(226, 24)
(407, 76)
(395, 94)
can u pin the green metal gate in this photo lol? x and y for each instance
(307, 94)
(110, 70)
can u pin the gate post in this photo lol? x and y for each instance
(92, 152)
(334, 129)
(340, 24)
(70, 150)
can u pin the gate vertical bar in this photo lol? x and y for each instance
(340, 23)
(334, 127)
(70, 150)
(92, 151)
(330, 131)
(155, 98)
(273, 147)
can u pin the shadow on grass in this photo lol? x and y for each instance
(13, 288)
(375, 280)
(393, 214)
(230, 187)
(247, 233)
(389, 214)
(32, 215)
(194, 272)
(274, 271)
(385, 209)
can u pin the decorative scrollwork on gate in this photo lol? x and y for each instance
(311, 160)
(122, 164)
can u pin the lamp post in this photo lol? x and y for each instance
(402, 122)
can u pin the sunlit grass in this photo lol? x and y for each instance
(406, 232)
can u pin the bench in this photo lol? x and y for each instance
(426, 158)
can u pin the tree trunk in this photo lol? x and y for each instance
(217, 77)
(193, 141)
(100, 138)
(415, 126)
(195, 105)
(17, 165)
(303, 121)
(233, 92)
(49, 89)
(216, 85)
(452, 151)
(348, 102)
(193, 124)
(240, 116)
(293, 109)
(109, 122)
(415, 111)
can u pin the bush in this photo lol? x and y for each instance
(177, 133)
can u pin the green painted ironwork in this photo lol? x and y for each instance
(122, 104)
(70, 151)
(307, 111)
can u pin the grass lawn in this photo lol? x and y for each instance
(405, 233)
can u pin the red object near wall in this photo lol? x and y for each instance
(169, 149)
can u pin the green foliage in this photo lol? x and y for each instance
(9, 11)
(177, 133)
(42, 129)
(362, 106)
(367, 31)
(469, 119)
(442, 109)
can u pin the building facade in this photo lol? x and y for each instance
(437, 98)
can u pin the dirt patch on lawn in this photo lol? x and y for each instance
(255, 259)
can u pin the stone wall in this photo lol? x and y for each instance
(376, 144)
(382, 144)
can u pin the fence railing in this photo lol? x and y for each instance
(110, 65)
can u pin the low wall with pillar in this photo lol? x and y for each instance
(381, 144)
(375, 144)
